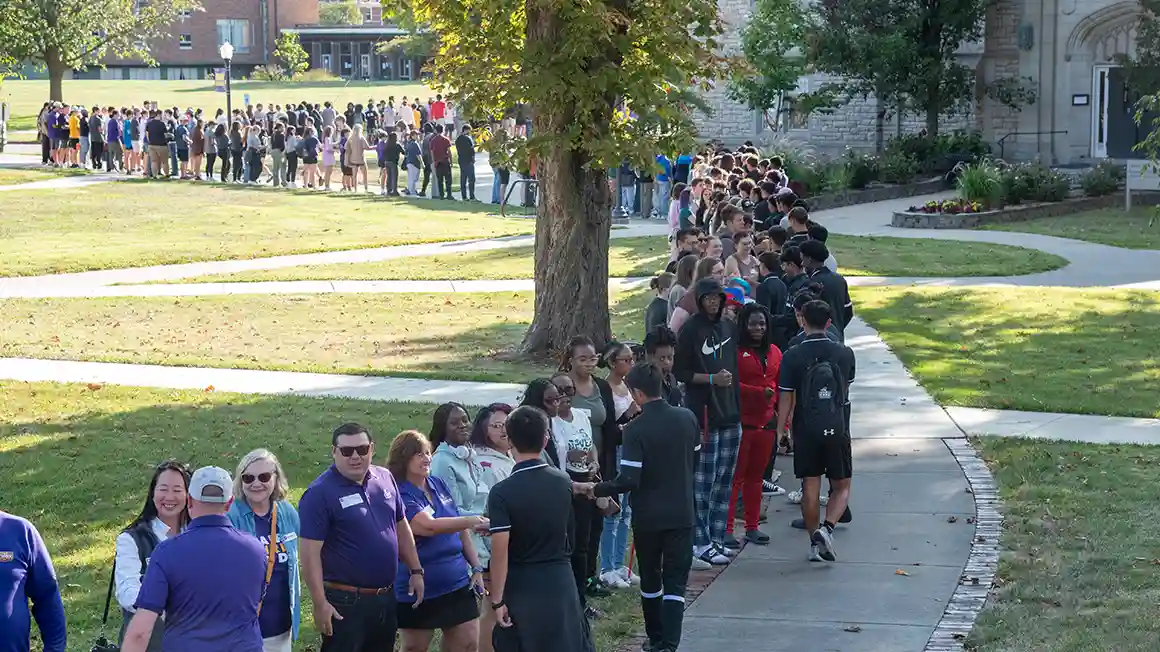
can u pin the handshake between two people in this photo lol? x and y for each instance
(588, 489)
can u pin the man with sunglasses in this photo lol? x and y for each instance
(354, 532)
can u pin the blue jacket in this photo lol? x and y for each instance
(289, 526)
(455, 467)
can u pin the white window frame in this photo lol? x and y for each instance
(185, 41)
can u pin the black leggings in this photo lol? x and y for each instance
(589, 524)
(255, 164)
(236, 154)
(45, 149)
(225, 166)
(209, 161)
(291, 167)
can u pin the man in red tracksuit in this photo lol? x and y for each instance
(758, 363)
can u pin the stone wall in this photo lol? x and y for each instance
(1022, 213)
(729, 121)
(1000, 60)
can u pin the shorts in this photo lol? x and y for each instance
(73, 142)
(59, 143)
(183, 155)
(347, 171)
(817, 456)
(455, 608)
(504, 176)
(309, 160)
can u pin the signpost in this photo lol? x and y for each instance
(1141, 175)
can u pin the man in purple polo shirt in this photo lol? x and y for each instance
(26, 574)
(354, 532)
(208, 580)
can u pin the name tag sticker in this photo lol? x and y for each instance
(351, 500)
(429, 510)
(289, 536)
(6, 556)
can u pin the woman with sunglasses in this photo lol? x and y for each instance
(164, 515)
(542, 394)
(573, 427)
(493, 462)
(618, 359)
(261, 509)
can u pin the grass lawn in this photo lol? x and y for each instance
(646, 255)
(26, 97)
(459, 336)
(1110, 226)
(1078, 571)
(1038, 349)
(138, 223)
(61, 445)
(15, 176)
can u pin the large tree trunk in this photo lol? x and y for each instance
(573, 221)
(56, 71)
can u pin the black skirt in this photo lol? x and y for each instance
(443, 612)
(545, 611)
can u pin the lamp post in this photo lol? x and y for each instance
(227, 52)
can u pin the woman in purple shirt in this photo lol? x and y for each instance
(453, 576)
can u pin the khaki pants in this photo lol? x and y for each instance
(158, 158)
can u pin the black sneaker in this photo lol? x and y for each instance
(825, 543)
(800, 523)
(731, 542)
(593, 613)
(757, 536)
(596, 591)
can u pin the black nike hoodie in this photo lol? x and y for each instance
(707, 344)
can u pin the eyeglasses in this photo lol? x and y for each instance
(497, 426)
(551, 401)
(347, 451)
(568, 390)
(261, 477)
(630, 359)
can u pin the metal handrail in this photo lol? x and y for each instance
(531, 181)
(1002, 141)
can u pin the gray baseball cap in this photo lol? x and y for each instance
(211, 476)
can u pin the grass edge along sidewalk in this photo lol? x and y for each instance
(141, 223)
(1088, 351)
(1135, 229)
(62, 444)
(1079, 548)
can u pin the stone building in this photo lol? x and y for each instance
(1064, 49)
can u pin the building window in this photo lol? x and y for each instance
(237, 32)
(185, 41)
(366, 15)
(186, 13)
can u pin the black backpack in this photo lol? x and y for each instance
(821, 401)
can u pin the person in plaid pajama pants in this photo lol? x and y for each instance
(706, 361)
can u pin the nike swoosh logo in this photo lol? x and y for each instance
(712, 350)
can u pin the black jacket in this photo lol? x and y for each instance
(609, 436)
(837, 294)
(656, 466)
(707, 344)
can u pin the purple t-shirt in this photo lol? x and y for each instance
(356, 525)
(445, 568)
(275, 618)
(208, 581)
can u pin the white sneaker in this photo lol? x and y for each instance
(824, 542)
(712, 555)
(613, 580)
(728, 552)
(824, 500)
(628, 576)
(794, 497)
(700, 564)
(775, 476)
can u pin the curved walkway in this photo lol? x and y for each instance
(899, 585)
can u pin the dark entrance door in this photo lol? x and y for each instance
(1123, 132)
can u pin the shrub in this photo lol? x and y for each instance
(981, 182)
(861, 168)
(1034, 182)
(836, 177)
(1104, 179)
(898, 167)
(952, 206)
(1054, 186)
(316, 75)
(272, 72)
(964, 142)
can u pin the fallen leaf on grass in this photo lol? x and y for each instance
(94, 386)
(901, 572)
(209, 388)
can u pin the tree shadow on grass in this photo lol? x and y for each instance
(1042, 349)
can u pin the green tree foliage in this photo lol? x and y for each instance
(1143, 70)
(339, 13)
(64, 35)
(902, 52)
(572, 64)
(288, 49)
(773, 61)
(420, 40)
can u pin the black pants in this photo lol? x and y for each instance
(466, 179)
(426, 178)
(368, 622)
(772, 459)
(45, 149)
(663, 559)
(209, 161)
(443, 179)
(392, 178)
(589, 523)
(225, 166)
(291, 167)
(236, 154)
(255, 164)
(97, 152)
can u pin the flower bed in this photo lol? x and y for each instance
(919, 219)
(948, 206)
(879, 193)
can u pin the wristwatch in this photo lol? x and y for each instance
(476, 569)
(416, 571)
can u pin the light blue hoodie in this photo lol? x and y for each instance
(289, 527)
(454, 465)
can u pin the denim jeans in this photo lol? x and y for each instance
(627, 196)
(495, 186)
(174, 171)
(661, 199)
(614, 539)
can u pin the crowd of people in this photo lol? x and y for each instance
(497, 526)
(296, 145)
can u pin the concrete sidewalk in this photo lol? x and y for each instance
(1086, 428)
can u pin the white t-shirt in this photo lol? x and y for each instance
(577, 436)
